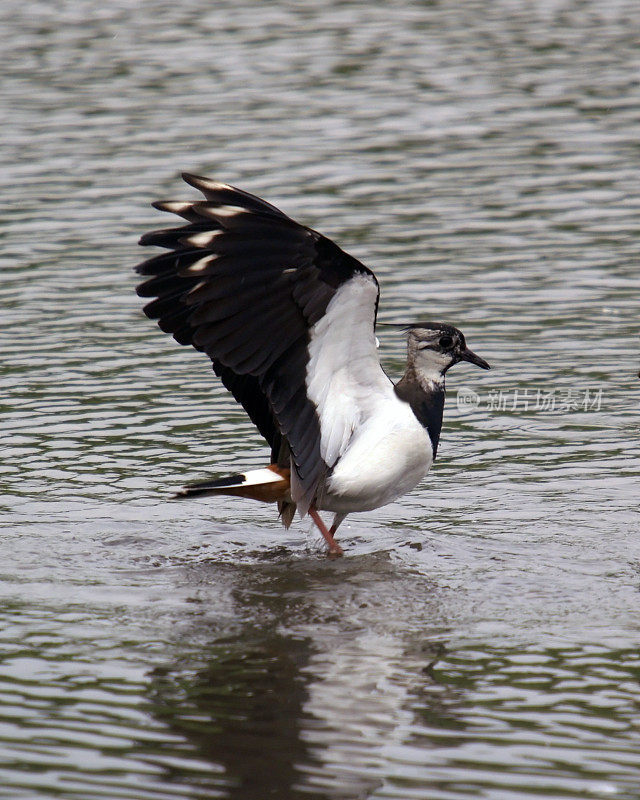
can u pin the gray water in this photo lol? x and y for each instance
(480, 637)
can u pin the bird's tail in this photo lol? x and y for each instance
(269, 485)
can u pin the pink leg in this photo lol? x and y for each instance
(334, 547)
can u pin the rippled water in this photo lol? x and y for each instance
(480, 638)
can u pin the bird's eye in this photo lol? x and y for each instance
(445, 342)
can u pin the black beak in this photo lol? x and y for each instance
(472, 358)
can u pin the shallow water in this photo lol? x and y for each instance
(480, 638)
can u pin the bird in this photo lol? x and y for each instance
(288, 320)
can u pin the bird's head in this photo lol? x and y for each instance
(436, 346)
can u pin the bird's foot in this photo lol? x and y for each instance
(334, 548)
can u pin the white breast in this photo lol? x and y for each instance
(388, 457)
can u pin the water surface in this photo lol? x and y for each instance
(480, 638)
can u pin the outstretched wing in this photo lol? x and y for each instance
(285, 315)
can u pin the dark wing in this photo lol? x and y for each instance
(249, 286)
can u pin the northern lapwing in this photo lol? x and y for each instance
(288, 320)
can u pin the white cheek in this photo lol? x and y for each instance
(429, 365)
(430, 360)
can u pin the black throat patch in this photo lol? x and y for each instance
(426, 404)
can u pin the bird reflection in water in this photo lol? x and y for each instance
(310, 691)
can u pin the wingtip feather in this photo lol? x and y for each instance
(203, 184)
(174, 206)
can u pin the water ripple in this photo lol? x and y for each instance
(480, 639)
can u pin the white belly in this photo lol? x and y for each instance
(390, 455)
